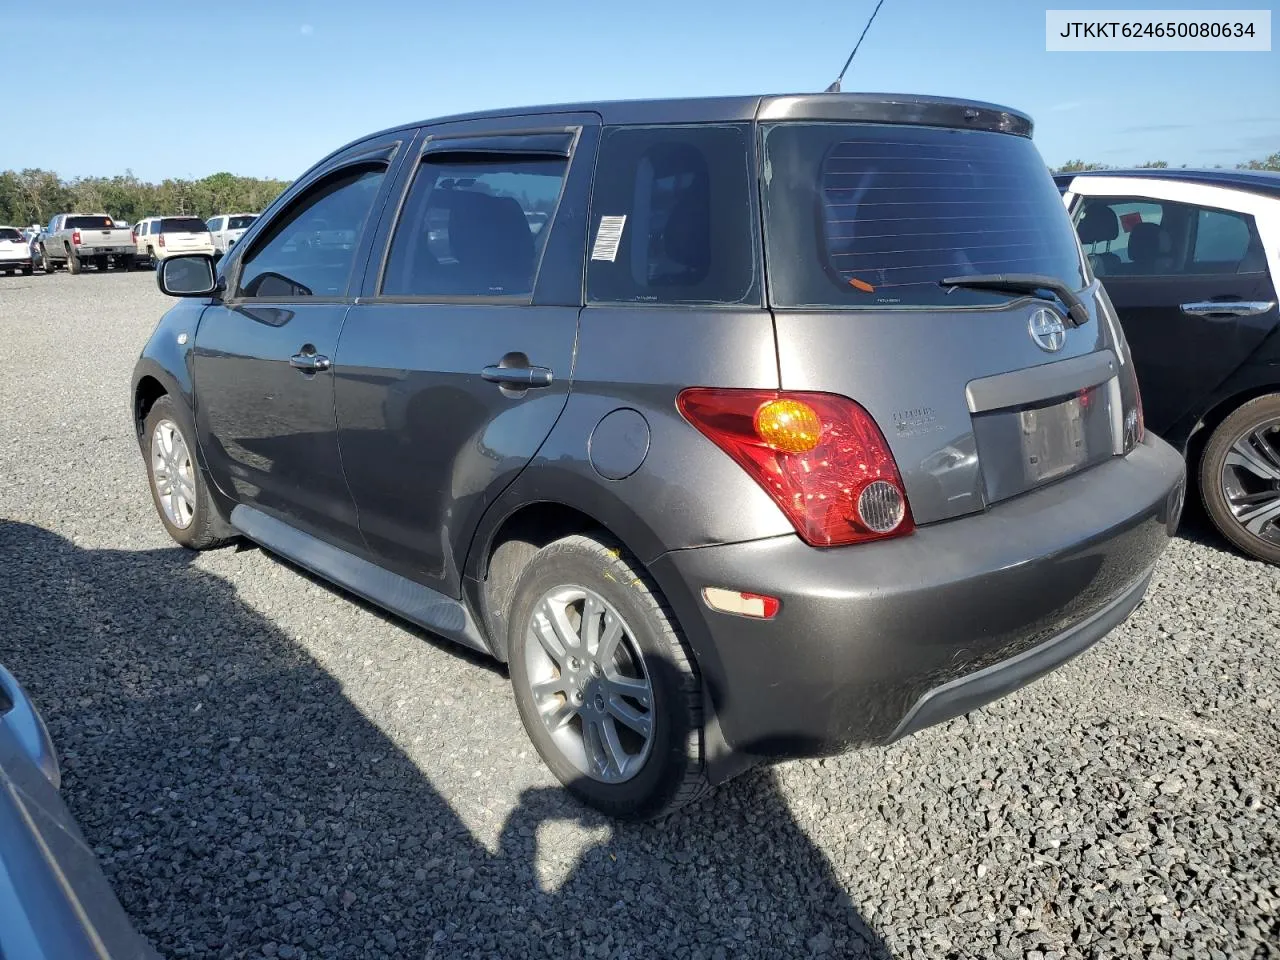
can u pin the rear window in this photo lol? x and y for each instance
(240, 223)
(88, 223)
(183, 225)
(874, 215)
(8, 233)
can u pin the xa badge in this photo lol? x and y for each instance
(1047, 330)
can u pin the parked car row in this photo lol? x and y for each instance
(79, 240)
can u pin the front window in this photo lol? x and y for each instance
(875, 215)
(310, 249)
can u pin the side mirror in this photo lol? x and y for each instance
(188, 276)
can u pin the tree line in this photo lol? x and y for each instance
(35, 196)
(1079, 166)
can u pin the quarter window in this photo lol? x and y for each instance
(1222, 240)
(474, 227)
(310, 251)
(672, 218)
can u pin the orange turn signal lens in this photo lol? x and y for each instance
(789, 426)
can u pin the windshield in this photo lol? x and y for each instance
(874, 215)
(89, 223)
(9, 233)
(183, 225)
(240, 223)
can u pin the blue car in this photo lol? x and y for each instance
(55, 901)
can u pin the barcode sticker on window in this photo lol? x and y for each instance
(608, 236)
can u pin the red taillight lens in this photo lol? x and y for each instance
(161, 240)
(134, 235)
(1135, 423)
(821, 457)
(75, 237)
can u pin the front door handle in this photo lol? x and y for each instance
(309, 362)
(520, 377)
(1227, 308)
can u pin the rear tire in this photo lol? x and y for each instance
(151, 258)
(582, 707)
(28, 271)
(46, 264)
(178, 488)
(73, 264)
(1240, 478)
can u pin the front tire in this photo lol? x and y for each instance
(1240, 478)
(178, 487)
(604, 682)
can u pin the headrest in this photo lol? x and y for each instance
(1099, 224)
(1148, 242)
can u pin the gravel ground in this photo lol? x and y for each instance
(268, 768)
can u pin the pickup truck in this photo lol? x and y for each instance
(80, 238)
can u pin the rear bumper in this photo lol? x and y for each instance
(85, 253)
(875, 642)
(9, 263)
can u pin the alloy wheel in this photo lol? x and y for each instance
(590, 684)
(1250, 481)
(173, 474)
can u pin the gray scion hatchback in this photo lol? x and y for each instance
(740, 429)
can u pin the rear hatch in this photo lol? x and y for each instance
(180, 234)
(13, 246)
(980, 394)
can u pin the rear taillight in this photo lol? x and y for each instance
(1135, 424)
(821, 457)
(75, 237)
(161, 240)
(133, 234)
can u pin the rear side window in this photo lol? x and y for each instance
(88, 223)
(1137, 237)
(215, 224)
(672, 217)
(875, 215)
(183, 225)
(240, 223)
(473, 227)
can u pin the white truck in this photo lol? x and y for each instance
(227, 228)
(80, 238)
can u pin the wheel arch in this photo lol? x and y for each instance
(506, 542)
(1193, 448)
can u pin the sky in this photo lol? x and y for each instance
(266, 88)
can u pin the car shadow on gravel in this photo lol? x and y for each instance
(243, 807)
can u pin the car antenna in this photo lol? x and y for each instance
(835, 87)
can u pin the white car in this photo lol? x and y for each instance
(227, 228)
(15, 252)
(156, 238)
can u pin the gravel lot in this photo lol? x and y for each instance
(268, 768)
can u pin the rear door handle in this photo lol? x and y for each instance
(1227, 308)
(518, 376)
(309, 362)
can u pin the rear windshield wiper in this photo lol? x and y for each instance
(1078, 314)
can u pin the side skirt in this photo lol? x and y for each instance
(418, 604)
